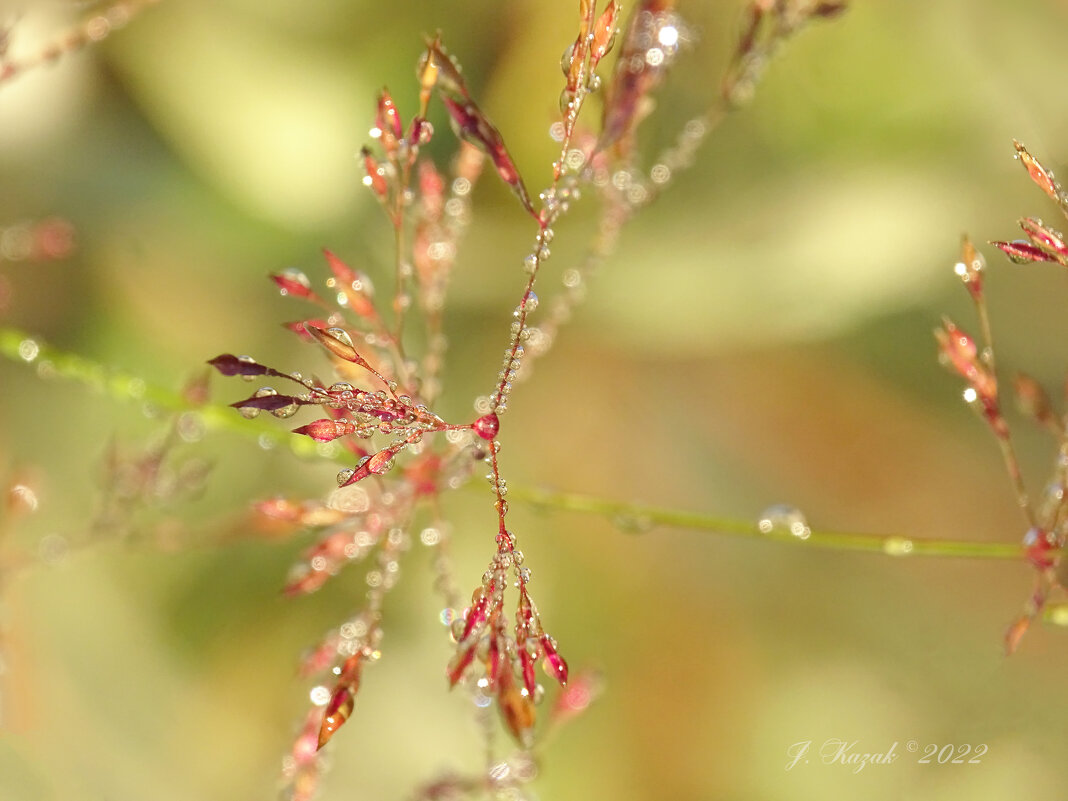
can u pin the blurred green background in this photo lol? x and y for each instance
(763, 336)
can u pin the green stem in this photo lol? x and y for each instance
(50, 362)
(639, 518)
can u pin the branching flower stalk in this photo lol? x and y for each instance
(611, 164)
(504, 653)
(496, 652)
(976, 364)
(96, 27)
(1047, 522)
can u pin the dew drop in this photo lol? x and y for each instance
(782, 518)
(247, 360)
(344, 475)
(567, 97)
(1053, 497)
(632, 523)
(430, 536)
(636, 194)
(249, 412)
(28, 350)
(660, 174)
(328, 450)
(348, 630)
(283, 412)
(668, 36)
(897, 546)
(531, 303)
(22, 498)
(456, 628)
(293, 275)
(567, 58)
(190, 427)
(341, 335)
(696, 129)
(1031, 537)
(52, 548)
(1057, 614)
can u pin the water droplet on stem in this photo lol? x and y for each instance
(897, 546)
(784, 519)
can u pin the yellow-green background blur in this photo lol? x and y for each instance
(763, 336)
